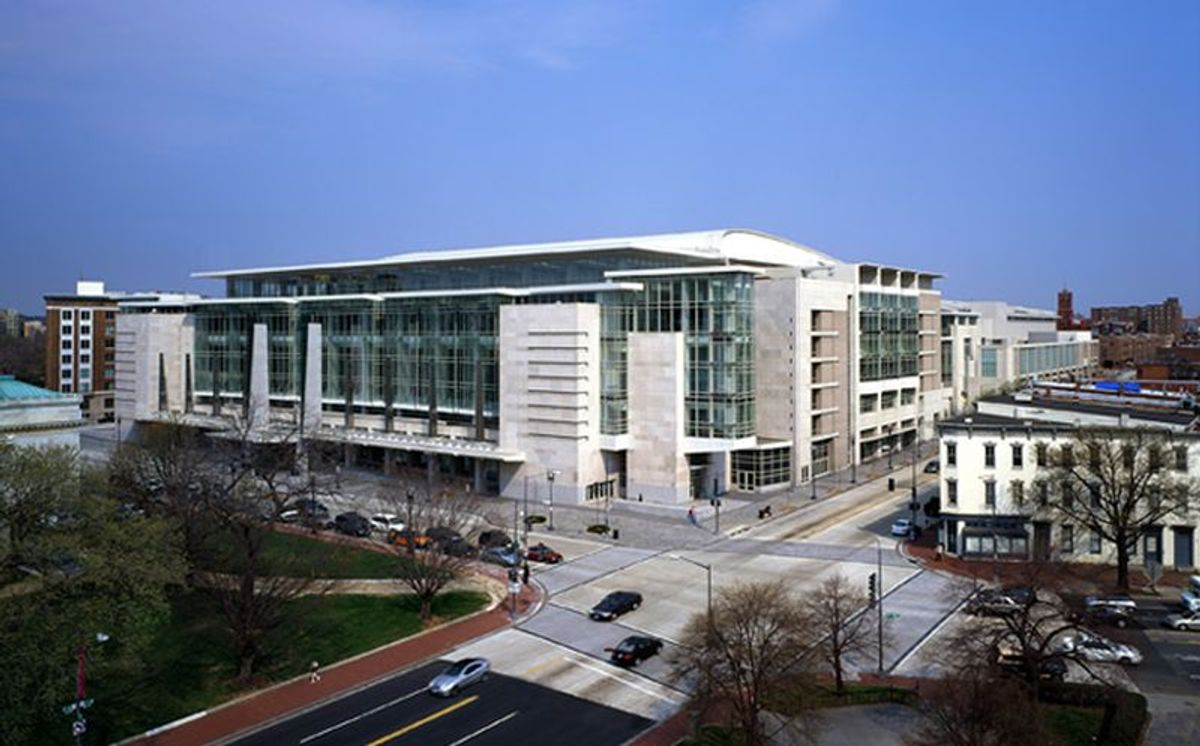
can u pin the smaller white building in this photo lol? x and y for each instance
(995, 477)
(33, 416)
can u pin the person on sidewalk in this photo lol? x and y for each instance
(525, 574)
(692, 516)
(314, 673)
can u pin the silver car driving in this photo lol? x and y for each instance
(458, 675)
(1092, 647)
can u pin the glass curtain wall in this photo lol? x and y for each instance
(716, 315)
(223, 338)
(888, 337)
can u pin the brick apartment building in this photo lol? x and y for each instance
(1158, 318)
(81, 338)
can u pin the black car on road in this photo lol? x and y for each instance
(459, 547)
(634, 649)
(615, 604)
(493, 538)
(352, 524)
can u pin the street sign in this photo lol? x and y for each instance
(891, 615)
(514, 588)
(68, 709)
(79, 727)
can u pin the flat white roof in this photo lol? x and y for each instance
(718, 246)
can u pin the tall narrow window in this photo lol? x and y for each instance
(989, 493)
(1181, 458)
(1067, 542)
(1017, 489)
(951, 454)
(1018, 456)
(989, 456)
(952, 491)
(1043, 456)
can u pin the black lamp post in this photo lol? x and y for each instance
(550, 479)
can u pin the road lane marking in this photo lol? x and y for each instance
(486, 728)
(424, 721)
(360, 716)
(631, 684)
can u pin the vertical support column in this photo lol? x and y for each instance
(479, 476)
(311, 419)
(260, 401)
(189, 397)
(162, 383)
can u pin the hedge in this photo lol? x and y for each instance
(1124, 712)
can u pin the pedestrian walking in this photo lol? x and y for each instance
(692, 516)
(525, 574)
(314, 673)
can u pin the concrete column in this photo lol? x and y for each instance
(260, 400)
(311, 419)
(479, 477)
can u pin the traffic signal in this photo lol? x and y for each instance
(871, 589)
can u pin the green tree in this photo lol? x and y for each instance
(118, 571)
(35, 484)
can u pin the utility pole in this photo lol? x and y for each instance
(412, 532)
(913, 504)
(550, 478)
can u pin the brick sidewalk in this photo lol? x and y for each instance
(259, 708)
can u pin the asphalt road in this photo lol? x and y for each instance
(501, 710)
(1172, 658)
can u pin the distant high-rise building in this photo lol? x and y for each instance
(1157, 318)
(10, 322)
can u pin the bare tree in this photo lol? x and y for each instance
(972, 707)
(838, 612)
(428, 565)
(1118, 483)
(755, 642)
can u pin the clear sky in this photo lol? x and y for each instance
(1011, 145)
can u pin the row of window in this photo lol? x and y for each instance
(886, 399)
(1042, 455)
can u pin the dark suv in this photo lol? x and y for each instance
(493, 538)
(615, 604)
(352, 524)
(634, 649)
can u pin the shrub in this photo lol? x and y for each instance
(598, 528)
(531, 520)
(1124, 712)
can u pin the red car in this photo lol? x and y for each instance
(542, 553)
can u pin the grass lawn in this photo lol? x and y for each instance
(191, 667)
(1072, 726)
(304, 556)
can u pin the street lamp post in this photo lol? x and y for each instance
(913, 504)
(81, 703)
(879, 608)
(412, 534)
(550, 478)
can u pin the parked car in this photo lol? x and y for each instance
(352, 524)
(999, 602)
(1190, 598)
(307, 512)
(501, 556)
(494, 538)
(385, 523)
(1183, 621)
(1049, 669)
(1121, 601)
(1115, 616)
(933, 467)
(902, 527)
(459, 675)
(541, 553)
(1092, 647)
(633, 650)
(459, 547)
(615, 604)
(442, 534)
(405, 537)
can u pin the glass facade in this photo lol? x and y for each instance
(988, 367)
(888, 335)
(715, 313)
(1048, 357)
(755, 469)
(418, 354)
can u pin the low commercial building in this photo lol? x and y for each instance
(33, 416)
(657, 368)
(996, 475)
(996, 346)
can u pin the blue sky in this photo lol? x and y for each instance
(1012, 146)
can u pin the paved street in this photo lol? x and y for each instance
(501, 710)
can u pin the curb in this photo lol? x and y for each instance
(495, 604)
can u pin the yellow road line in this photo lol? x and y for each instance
(424, 721)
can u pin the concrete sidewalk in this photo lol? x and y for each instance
(260, 708)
